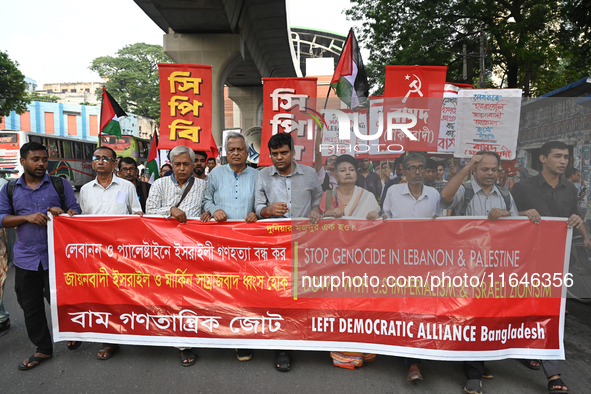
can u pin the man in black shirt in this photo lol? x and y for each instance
(548, 194)
(128, 171)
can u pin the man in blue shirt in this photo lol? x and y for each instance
(230, 188)
(230, 193)
(34, 194)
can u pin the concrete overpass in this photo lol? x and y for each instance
(244, 41)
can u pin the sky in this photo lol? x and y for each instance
(56, 41)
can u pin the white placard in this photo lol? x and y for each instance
(488, 119)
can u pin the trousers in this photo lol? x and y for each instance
(31, 287)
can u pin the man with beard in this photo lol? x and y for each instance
(24, 207)
(549, 194)
(129, 171)
(200, 162)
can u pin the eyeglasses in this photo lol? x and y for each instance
(416, 169)
(102, 158)
(131, 169)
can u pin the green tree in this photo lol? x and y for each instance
(526, 41)
(13, 96)
(35, 96)
(132, 77)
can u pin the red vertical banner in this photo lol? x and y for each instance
(288, 105)
(413, 90)
(185, 106)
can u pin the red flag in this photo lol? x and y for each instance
(414, 89)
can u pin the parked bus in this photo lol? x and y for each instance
(127, 146)
(69, 158)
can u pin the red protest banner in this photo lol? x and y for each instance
(286, 109)
(412, 89)
(185, 106)
(230, 285)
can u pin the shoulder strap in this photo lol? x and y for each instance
(468, 194)
(189, 186)
(10, 191)
(506, 196)
(58, 184)
(328, 200)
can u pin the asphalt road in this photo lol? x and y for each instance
(144, 369)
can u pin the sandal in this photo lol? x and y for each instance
(25, 367)
(110, 350)
(528, 363)
(5, 325)
(282, 361)
(557, 382)
(186, 355)
(413, 373)
(75, 345)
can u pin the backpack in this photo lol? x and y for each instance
(58, 185)
(469, 194)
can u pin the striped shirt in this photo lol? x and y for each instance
(232, 193)
(165, 193)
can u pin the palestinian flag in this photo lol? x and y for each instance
(110, 114)
(153, 159)
(349, 80)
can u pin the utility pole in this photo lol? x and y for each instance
(481, 80)
(465, 63)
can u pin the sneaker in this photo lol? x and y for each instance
(473, 386)
(487, 374)
(243, 354)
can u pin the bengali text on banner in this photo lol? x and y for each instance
(478, 290)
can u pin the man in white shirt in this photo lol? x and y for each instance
(166, 193)
(412, 200)
(108, 194)
(179, 196)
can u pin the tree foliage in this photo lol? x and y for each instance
(47, 98)
(132, 77)
(13, 96)
(529, 43)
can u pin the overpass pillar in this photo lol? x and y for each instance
(248, 99)
(221, 51)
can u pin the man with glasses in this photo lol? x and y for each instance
(408, 200)
(412, 199)
(129, 171)
(108, 194)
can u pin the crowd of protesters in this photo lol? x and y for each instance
(193, 186)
